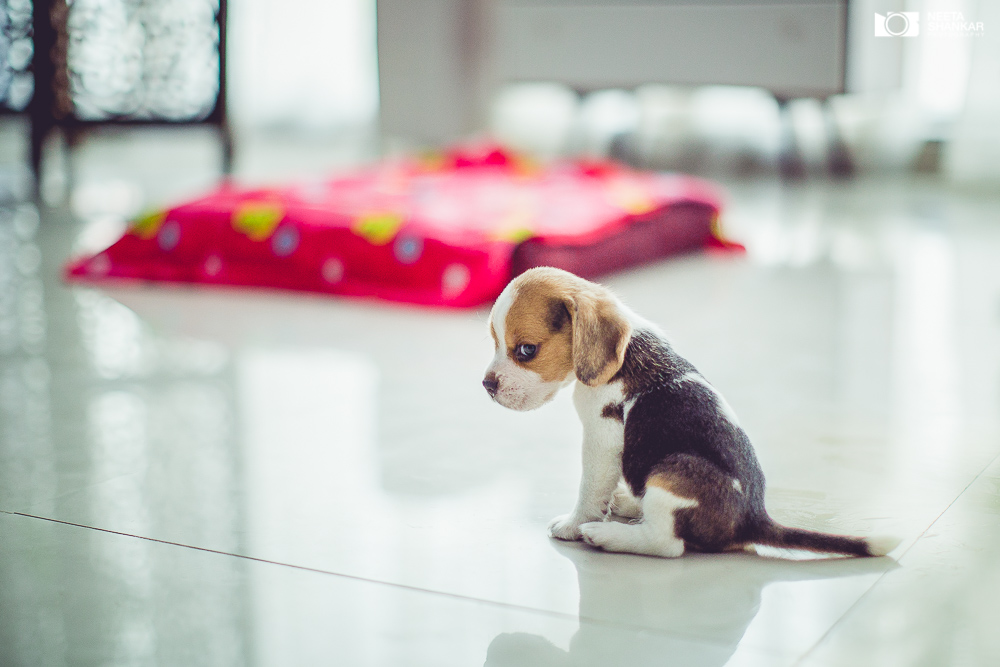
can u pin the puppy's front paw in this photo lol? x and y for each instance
(565, 527)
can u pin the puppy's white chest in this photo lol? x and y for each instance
(595, 399)
(601, 409)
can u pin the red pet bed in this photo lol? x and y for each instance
(446, 230)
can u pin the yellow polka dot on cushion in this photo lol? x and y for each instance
(257, 219)
(146, 226)
(378, 228)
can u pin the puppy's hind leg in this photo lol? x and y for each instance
(655, 535)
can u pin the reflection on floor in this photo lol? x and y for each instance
(229, 477)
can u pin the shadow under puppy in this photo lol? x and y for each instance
(660, 445)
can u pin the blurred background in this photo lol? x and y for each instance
(742, 89)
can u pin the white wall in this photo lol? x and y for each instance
(302, 63)
(974, 154)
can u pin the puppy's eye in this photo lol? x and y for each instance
(525, 351)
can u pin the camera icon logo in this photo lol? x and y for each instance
(897, 24)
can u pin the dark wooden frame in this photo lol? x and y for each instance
(42, 109)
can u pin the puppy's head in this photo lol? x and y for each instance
(549, 327)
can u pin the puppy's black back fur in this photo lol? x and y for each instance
(675, 431)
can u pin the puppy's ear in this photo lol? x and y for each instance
(600, 336)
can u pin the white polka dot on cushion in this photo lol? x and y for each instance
(213, 265)
(454, 279)
(332, 270)
(99, 265)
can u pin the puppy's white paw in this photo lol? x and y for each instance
(604, 535)
(565, 527)
(625, 505)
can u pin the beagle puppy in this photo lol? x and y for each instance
(661, 446)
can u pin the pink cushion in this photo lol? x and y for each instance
(446, 230)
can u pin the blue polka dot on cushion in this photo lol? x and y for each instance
(408, 249)
(169, 235)
(285, 241)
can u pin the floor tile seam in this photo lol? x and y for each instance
(875, 583)
(378, 582)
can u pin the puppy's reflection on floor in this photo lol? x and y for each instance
(692, 611)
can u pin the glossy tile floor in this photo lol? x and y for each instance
(220, 477)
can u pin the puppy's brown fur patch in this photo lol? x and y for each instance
(575, 324)
(538, 316)
(714, 523)
(614, 411)
(600, 336)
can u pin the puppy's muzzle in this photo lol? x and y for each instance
(491, 385)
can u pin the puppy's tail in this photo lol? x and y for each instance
(775, 535)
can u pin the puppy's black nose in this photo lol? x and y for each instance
(491, 385)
